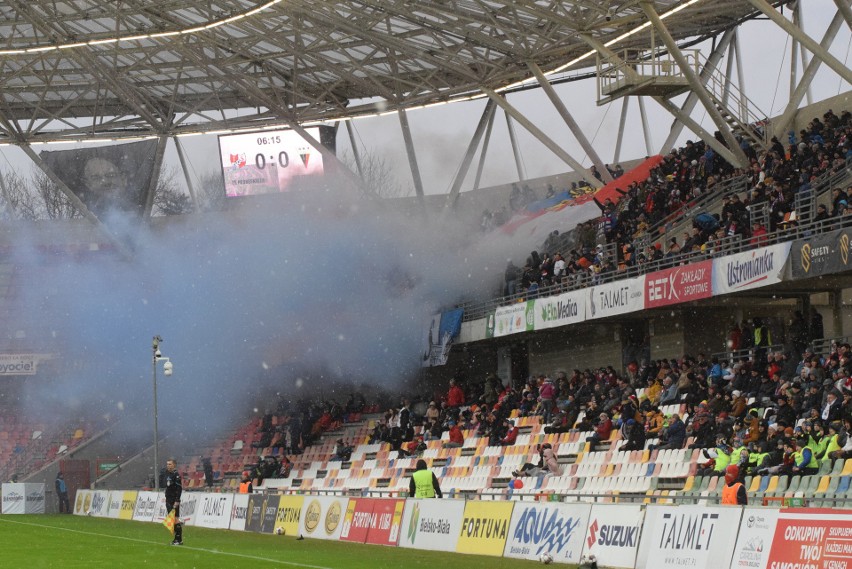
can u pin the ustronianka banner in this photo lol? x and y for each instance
(557, 529)
(751, 269)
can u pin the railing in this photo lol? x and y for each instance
(721, 90)
(481, 309)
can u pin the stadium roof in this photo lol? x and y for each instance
(97, 69)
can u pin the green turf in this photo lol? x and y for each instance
(74, 541)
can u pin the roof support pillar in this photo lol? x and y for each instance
(481, 166)
(484, 121)
(843, 8)
(355, 153)
(646, 131)
(151, 191)
(412, 154)
(186, 175)
(516, 151)
(625, 102)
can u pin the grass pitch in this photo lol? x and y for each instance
(37, 542)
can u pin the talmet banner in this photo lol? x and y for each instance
(823, 254)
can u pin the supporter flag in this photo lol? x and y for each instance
(444, 328)
(169, 522)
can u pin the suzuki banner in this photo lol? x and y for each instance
(431, 524)
(699, 537)
(613, 534)
(756, 531)
(751, 269)
(822, 254)
(557, 529)
(680, 284)
(619, 297)
(560, 310)
(514, 318)
(812, 539)
(322, 516)
(239, 512)
(485, 527)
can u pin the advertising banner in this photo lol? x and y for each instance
(100, 504)
(386, 522)
(239, 512)
(812, 539)
(561, 310)
(485, 527)
(160, 512)
(82, 502)
(128, 503)
(553, 528)
(189, 502)
(322, 516)
(613, 534)
(255, 512)
(21, 364)
(822, 254)
(514, 318)
(35, 498)
(432, 524)
(356, 521)
(214, 510)
(270, 513)
(14, 498)
(114, 509)
(699, 537)
(146, 504)
(619, 297)
(289, 513)
(757, 529)
(750, 269)
(680, 284)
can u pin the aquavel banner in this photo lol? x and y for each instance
(698, 537)
(613, 534)
(100, 504)
(679, 284)
(812, 539)
(557, 529)
(560, 310)
(431, 524)
(128, 504)
(485, 527)
(751, 269)
(289, 512)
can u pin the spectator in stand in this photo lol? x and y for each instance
(455, 395)
(511, 433)
(603, 430)
(456, 439)
(342, 451)
(207, 466)
(832, 409)
(672, 436)
(634, 433)
(547, 465)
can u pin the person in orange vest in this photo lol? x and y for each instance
(734, 492)
(245, 483)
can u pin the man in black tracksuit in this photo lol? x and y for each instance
(174, 488)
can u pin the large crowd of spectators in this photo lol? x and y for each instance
(774, 178)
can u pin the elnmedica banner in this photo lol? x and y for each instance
(698, 537)
(485, 527)
(322, 516)
(560, 310)
(431, 524)
(538, 528)
(751, 269)
(613, 534)
(822, 254)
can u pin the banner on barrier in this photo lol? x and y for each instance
(680, 284)
(699, 537)
(189, 502)
(239, 512)
(514, 318)
(322, 516)
(356, 521)
(751, 269)
(214, 510)
(160, 512)
(128, 503)
(560, 310)
(619, 297)
(14, 498)
(373, 520)
(756, 531)
(431, 524)
(485, 527)
(613, 534)
(146, 505)
(255, 512)
(270, 514)
(114, 508)
(100, 504)
(553, 528)
(822, 254)
(289, 513)
(82, 502)
(812, 539)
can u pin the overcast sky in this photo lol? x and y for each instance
(441, 134)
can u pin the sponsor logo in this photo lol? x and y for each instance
(87, 502)
(239, 512)
(485, 528)
(12, 497)
(78, 503)
(609, 535)
(844, 248)
(187, 508)
(127, 505)
(754, 270)
(35, 497)
(551, 533)
(289, 515)
(312, 516)
(687, 531)
(560, 310)
(412, 522)
(332, 518)
(214, 507)
(98, 503)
